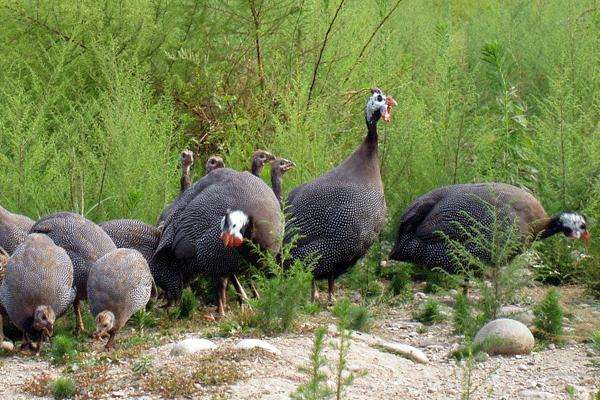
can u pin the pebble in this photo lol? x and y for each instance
(249, 344)
(506, 336)
(420, 295)
(192, 346)
(7, 346)
(404, 350)
(522, 367)
(551, 346)
(535, 394)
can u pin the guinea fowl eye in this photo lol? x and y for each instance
(582, 226)
(379, 98)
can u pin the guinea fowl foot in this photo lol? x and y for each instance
(30, 348)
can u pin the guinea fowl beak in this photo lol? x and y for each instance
(230, 240)
(586, 237)
(386, 112)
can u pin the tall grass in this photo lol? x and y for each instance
(99, 97)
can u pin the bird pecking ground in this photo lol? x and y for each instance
(142, 366)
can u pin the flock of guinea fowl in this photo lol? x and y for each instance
(216, 225)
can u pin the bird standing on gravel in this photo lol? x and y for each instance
(119, 284)
(37, 287)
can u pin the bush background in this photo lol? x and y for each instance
(97, 98)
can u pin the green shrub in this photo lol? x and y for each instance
(188, 304)
(595, 339)
(316, 388)
(63, 349)
(549, 317)
(352, 316)
(144, 319)
(465, 322)
(429, 313)
(63, 388)
(401, 280)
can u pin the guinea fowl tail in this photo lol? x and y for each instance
(396, 253)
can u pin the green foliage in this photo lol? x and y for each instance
(465, 322)
(316, 388)
(401, 280)
(352, 316)
(144, 319)
(188, 304)
(284, 294)
(63, 349)
(142, 365)
(549, 317)
(63, 388)
(429, 313)
(595, 339)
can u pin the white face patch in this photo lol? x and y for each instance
(575, 222)
(377, 101)
(236, 221)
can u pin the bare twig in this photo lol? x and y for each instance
(366, 45)
(320, 57)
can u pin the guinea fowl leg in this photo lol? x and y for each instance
(330, 289)
(314, 293)
(255, 291)
(111, 341)
(79, 327)
(222, 288)
(1, 329)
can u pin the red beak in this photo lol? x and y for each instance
(586, 237)
(230, 240)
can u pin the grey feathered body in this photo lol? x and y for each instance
(120, 282)
(451, 209)
(192, 231)
(13, 229)
(133, 234)
(339, 215)
(38, 273)
(84, 241)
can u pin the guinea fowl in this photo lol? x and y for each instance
(214, 162)
(137, 235)
(13, 229)
(448, 213)
(119, 284)
(84, 241)
(211, 223)
(37, 287)
(339, 215)
(279, 167)
(260, 158)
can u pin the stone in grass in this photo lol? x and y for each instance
(192, 346)
(249, 344)
(505, 337)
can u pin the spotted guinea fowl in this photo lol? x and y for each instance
(260, 158)
(210, 226)
(339, 215)
(13, 229)
(278, 168)
(119, 284)
(213, 162)
(137, 235)
(448, 213)
(37, 287)
(84, 242)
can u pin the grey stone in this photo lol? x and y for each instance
(505, 337)
(192, 346)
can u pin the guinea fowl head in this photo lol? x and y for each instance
(214, 162)
(187, 158)
(259, 159)
(43, 320)
(573, 225)
(105, 322)
(282, 164)
(234, 228)
(379, 105)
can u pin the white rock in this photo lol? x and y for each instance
(7, 346)
(192, 346)
(420, 295)
(404, 350)
(506, 337)
(249, 344)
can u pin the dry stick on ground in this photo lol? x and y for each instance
(319, 58)
(362, 51)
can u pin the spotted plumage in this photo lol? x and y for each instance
(339, 215)
(120, 284)
(84, 241)
(13, 229)
(39, 274)
(443, 214)
(192, 233)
